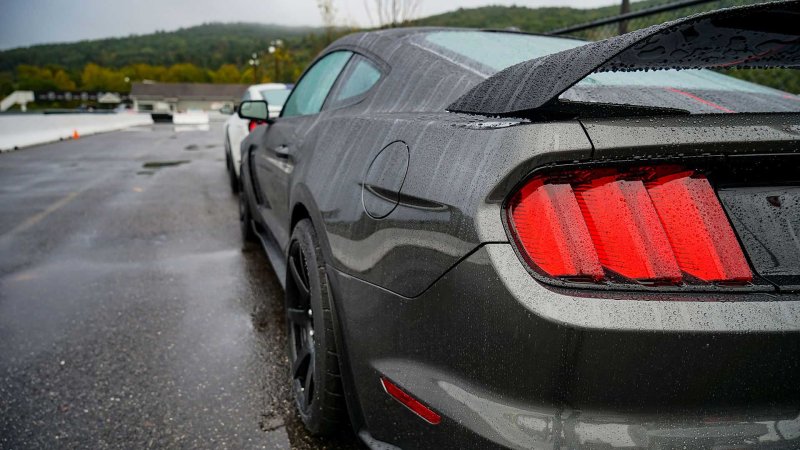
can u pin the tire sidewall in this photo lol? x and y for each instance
(305, 235)
(246, 223)
(233, 179)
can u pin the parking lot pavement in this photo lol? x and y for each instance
(129, 317)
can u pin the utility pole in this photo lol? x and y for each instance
(254, 62)
(274, 46)
(624, 9)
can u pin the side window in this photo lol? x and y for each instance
(246, 96)
(358, 78)
(310, 93)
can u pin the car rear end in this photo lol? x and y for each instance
(643, 291)
(660, 309)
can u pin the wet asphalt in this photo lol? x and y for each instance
(129, 316)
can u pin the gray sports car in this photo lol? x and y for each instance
(497, 239)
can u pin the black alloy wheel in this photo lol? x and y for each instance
(316, 380)
(249, 237)
(232, 178)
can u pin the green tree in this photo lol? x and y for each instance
(7, 84)
(44, 78)
(227, 73)
(185, 73)
(97, 78)
(140, 72)
(63, 82)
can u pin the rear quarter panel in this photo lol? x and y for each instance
(446, 207)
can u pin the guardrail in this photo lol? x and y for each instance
(634, 20)
(784, 79)
(631, 15)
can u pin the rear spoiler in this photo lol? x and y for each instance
(756, 36)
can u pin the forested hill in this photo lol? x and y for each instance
(538, 20)
(212, 45)
(208, 45)
(219, 53)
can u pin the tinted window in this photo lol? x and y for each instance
(358, 78)
(275, 97)
(697, 91)
(309, 94)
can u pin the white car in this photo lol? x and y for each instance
(236, 128)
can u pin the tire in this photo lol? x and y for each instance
(313, 357)
(249, 238)
(232, 178)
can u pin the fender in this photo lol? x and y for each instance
(301, 196)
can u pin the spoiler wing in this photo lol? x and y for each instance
(756, 36)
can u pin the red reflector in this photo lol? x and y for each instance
(627, 233)
(410, 402)
(700, 233)
(553, 233)
(251, 125)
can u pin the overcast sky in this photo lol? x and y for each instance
(26, 22)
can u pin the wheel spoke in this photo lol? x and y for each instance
(309, 385)
(298, 362)
(298, 316)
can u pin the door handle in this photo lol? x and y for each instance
(282, 151)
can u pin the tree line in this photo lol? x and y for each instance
(94, 77)
(220, 53)
(210, 53)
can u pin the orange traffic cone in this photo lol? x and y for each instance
(75, 134)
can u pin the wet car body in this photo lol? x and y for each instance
(408, 188)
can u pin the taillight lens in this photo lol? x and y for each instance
(254, 123)
(648, 225)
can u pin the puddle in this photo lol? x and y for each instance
(145, 172)
(160, 164)
(211, 145)
(191, 147)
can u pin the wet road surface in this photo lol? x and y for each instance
(129, 316)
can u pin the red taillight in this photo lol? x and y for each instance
(253, 124)
(654, 226)
(626, 230)
(552, 231)
(410, 402)
(698, 229)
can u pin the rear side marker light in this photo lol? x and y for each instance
(657, 225)
(410, 402)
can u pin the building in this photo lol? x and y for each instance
(169, 98)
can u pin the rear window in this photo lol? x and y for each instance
(698, 91)
(275, 97)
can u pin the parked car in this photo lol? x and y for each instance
(480, 249)
(236, 128)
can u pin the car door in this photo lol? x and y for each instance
(237, 131)
(274, 160)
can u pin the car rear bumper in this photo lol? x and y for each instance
(509, 362)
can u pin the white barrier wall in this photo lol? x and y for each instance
(24, 130)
